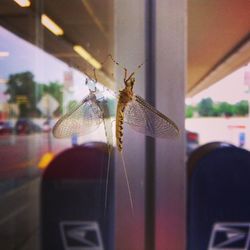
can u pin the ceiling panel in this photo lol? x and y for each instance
(83, 24)
(216, 30)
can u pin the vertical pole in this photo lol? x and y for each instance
(170, 54)
(49, 122)
(248, 91)
(130, 51)
(150, 142)
(246, 82)
(49, 134)
(247, 144)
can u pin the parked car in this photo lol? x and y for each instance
(26, 126)
(192, 141)
(6, 127)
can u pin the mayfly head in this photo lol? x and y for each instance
(90, 84)
(130, 81)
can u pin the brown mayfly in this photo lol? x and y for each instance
(139, 114)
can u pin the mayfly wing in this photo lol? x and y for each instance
(107, 122)
(82, 120)
(144, 118)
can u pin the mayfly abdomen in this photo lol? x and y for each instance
(119, 125)
(126, 96)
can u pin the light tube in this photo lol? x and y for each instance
(88, 57)
(23, 3)
(4, 53)
(51, 25)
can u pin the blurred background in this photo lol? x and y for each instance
(196, 52)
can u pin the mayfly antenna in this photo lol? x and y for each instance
(120, 65)
(137, 68)
(125, 69)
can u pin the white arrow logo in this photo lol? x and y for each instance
(77, 235)
(226, 236)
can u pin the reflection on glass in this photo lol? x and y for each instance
(34, 95)
(41, 78)
(23, 3)
(51, 25)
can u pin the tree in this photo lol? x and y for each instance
(216, 109)
(21, 89)
(241, 108)
(189, 111)
(205, 107)
(226, 109)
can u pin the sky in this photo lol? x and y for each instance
(24, 56)
(230, 89)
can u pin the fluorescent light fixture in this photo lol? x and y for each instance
(23, 3)
(4, 53)
(85, 54)
(51, 25)
(2, 80)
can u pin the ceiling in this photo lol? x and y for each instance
(218, 40)
(87, 24)
(218, 34)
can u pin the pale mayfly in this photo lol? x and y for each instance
(86, 118)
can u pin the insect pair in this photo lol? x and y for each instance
(131, 109)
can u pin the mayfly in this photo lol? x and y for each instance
(140, 115)
(86, 118)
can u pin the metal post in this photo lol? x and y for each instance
(150, 142)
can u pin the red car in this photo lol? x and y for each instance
(192, 141)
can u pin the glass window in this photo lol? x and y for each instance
(47, 51)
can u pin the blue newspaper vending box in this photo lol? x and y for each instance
(75, 212)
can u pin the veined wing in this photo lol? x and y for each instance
(107, 122)
(83, 119)
(144, 118)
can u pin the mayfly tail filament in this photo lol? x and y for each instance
(128, 184)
